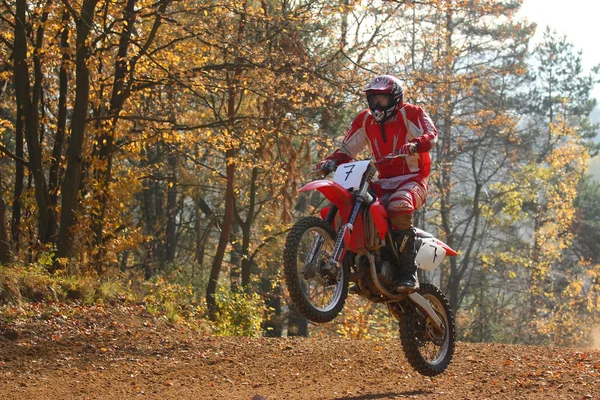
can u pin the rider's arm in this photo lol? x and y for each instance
(354, 142)
(426, 140)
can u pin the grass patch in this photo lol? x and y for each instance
(241, 312)
(33, 284)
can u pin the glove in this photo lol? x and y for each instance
(408, 149)
(325, 166)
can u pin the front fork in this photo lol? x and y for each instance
(332, 268)
(310, 269)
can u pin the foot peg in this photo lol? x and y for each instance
(407, 286)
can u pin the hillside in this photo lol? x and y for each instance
(127, 354)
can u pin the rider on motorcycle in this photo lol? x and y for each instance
(391, 126)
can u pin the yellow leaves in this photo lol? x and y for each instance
(268, 228)
(5, 124)
(63, 262)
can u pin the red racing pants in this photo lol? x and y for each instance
(401, 198)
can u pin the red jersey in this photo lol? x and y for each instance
(409, 124)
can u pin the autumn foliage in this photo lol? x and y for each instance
(164, 143)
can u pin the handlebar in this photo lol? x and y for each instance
(390, 156)
(331, 166)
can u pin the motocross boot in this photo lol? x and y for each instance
(407, 280)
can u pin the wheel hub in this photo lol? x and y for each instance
(330, 272)
(433, 334)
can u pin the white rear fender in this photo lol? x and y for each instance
(431, 253)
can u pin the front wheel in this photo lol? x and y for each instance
(316, 292)
(428, 350)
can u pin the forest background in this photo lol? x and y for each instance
(152, 151)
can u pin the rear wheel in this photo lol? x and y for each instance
(428, 350)
(316, 291)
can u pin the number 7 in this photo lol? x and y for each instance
(348, 173)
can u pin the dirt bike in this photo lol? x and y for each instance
(352, 241)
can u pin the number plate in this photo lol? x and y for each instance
(350, 175)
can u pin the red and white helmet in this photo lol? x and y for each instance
(388, 85)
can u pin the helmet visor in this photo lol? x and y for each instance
(380, 101)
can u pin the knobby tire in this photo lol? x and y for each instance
(293, 280)
(412, 334)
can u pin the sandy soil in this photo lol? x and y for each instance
(99, 355)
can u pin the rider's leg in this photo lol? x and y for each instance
(401, 206)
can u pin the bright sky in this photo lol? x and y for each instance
(578, 19)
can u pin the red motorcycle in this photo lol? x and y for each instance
(352, 242)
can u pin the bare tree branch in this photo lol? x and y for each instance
(14, 157)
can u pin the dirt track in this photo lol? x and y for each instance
(105, 357)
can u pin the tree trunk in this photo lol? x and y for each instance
(19, 176)
(105, 142)
(29, 103)
(159, 206)
(202, 234)
(247, 230)
(450, 283)
(235, 255)
(57, 151)
(151, 206)
(171, 239)
(211, 289)
(199, 245)
(70, 185)
(4, 241)
(230, 176)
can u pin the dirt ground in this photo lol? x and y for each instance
(100, 355)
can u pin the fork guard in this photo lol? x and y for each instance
(427, 309)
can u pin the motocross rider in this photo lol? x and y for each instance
(391, 126)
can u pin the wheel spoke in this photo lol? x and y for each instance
(308, 248)
(316, 243)
(428, 350)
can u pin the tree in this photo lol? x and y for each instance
(463, 62)
(541, 211)
(28, 111)
(84, 20)
(4, 240)
(586, 223)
